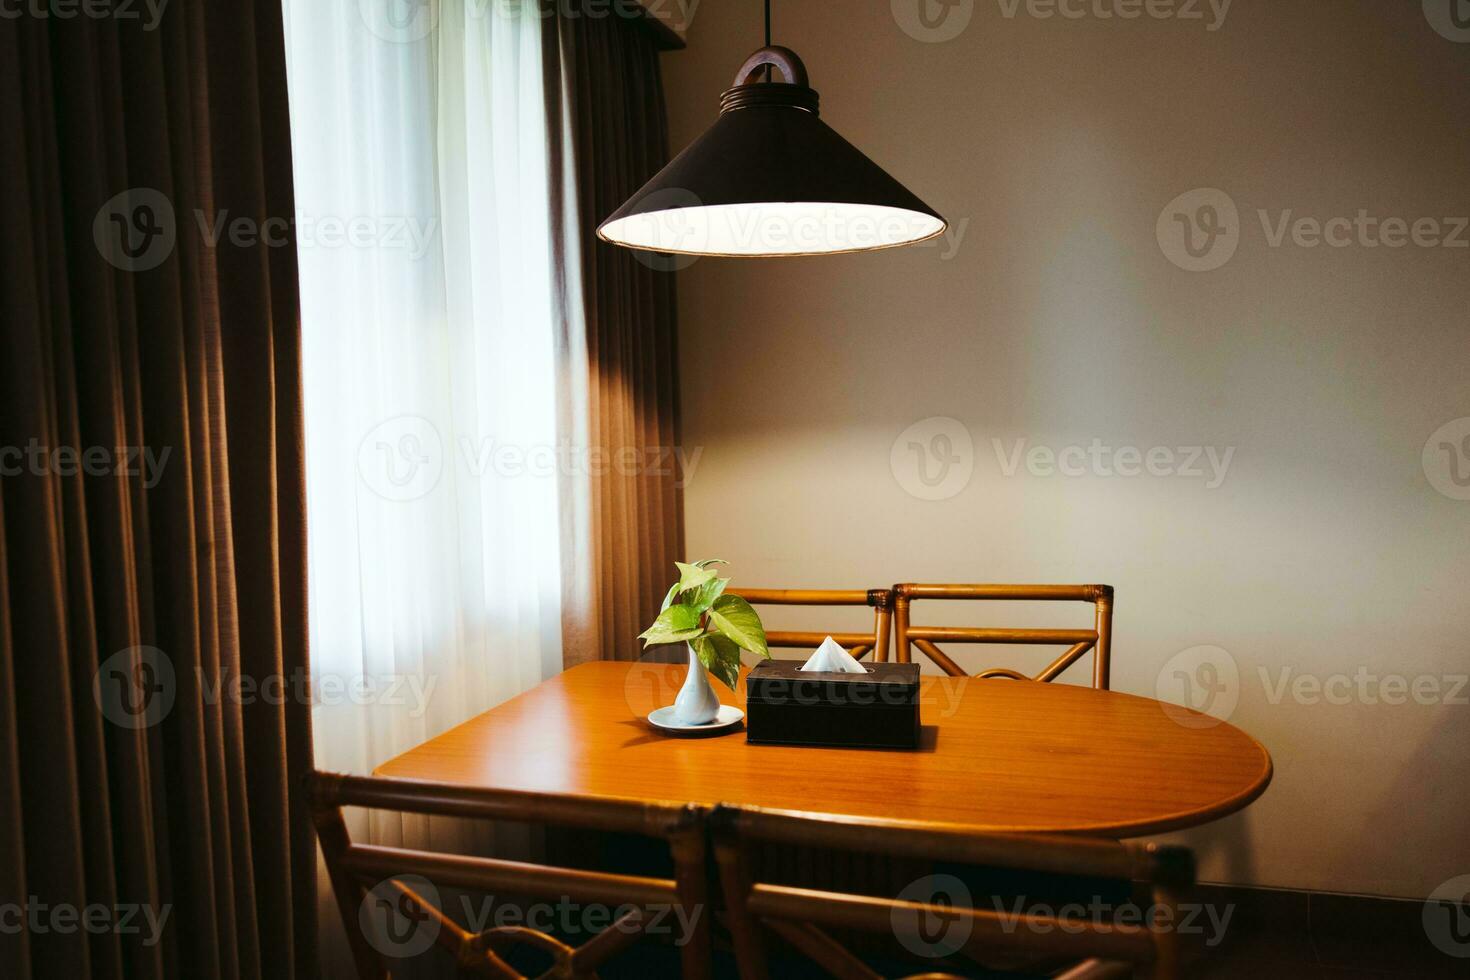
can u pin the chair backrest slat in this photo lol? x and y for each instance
(453, 800)
(858, 644)
(1098, 640)
(373, 863)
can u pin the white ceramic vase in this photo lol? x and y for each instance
(696, 703)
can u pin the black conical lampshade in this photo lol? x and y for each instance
(770, 178)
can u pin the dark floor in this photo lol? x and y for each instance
(1271, 936)
(1297, 935)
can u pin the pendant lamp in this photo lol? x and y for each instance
(769, 178)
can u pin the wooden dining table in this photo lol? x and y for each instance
(995, 756)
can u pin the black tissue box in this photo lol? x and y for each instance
(878, 709)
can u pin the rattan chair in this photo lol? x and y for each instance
(857, 644)
(362, 872)
(1079, 641)
(812, 919)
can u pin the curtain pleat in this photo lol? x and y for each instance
(622, 397)
(191, 814)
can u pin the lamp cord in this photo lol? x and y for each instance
(770, 70)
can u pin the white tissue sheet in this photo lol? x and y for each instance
(831, 657)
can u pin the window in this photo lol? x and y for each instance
(423, 204)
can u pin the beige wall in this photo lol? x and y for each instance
(1053, 315)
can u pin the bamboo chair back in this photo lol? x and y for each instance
(1099, 639)
(361, 873)
(804, 917)
(857, 644)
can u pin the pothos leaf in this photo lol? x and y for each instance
(691, 577)
(735, 618)
(703, 597)
(720, 657)
(673, 625)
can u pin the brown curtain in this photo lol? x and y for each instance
(151, 509)
(625, 527)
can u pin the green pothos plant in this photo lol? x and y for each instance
(717, 626)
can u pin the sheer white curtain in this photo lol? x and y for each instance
(420, 157)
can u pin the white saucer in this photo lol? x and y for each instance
(663, 719)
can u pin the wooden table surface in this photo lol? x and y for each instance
(997, 755)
